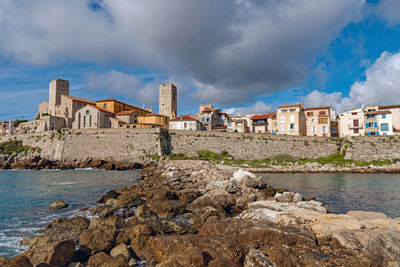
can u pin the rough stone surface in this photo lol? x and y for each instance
(58, 253)
(59, 204)
(99, 258)
(256, 259)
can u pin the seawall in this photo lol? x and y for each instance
(135, 144)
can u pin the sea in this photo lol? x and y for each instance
(25, 196)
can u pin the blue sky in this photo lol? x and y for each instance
(242, 56)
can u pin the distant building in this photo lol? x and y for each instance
(168, 100)
(395, 111)
(291, 120)
(185, 122)
(237, 125)
(318, 121)
(351, 123)
(260, 123)
(93, 117)
(116, 106)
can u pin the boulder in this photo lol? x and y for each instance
(99, 258)
(172, 176)
(256, 259)
(103, 211)
(215, 199)
(260, 214)
(125, 201)
(248, 179)
(57, 253)
(58, 204)
(297, 198)
(35, 241)
(312, 205)
(143, 211)
(228, 186)
(62, 229)
(112, 194)
(114, 222)
(97, 239)
(118, 261)
(121, 249)
(284, 197)
(17, 261)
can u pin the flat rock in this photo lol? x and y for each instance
(58, 204)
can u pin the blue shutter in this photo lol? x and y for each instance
(367, 125)
(376, 125)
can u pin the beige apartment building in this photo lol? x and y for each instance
(351, 123)
(291, 120)
(237, 125)
(318, 121)
(395, 111)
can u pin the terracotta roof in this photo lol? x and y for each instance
(81, 100)
(221, 127)
(290, 106)
(126, 112)
(389, 106)
(152, 114)
(266, 116)
(184, 118)
(115, 100)
(317, 108)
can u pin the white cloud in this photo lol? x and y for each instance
(389, 10)
(236, 50)
(257, 108)
(382, 86)
(124, 84)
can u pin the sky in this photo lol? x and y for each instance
(243, 56)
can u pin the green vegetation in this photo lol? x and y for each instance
(15, 146)
(225, 158)
(18, 122)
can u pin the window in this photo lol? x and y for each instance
(383, 116)
(312, 120)
(356, 131)
(323, 129)
(354, 113)
(229, 124)
(104, 105)
(90, 120)
(292, 110)
(292, 119)
(314, 129)
(84, 121)
(203, 120)
(384, 127)
(284, 110)
(276, 124)
(185, 125)
(292, 126)
(282, 119)
(322, 120)
(239, 123)
(310, 114)
(322, 113)
(230, 130)
(128, 126)
(282, 128)
(355, 123)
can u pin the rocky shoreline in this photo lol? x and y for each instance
(192, 213)
(33, 161)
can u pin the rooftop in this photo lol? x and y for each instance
(184, 118)
(389, 106)
(263, 116)
(291, 106)
(81, 100)
(317, 108)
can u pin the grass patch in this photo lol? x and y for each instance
(15, 146)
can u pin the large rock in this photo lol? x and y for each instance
(113, 222)
(97, 239)
(35, 241)
(58, 253)
(18, 261)
(256, 259)
(248, 179)
(215, 199)
(99, 258)
(125, 201)
(118, 261)
(112, 194)
(63, 229)
(58, 204)
(121, 249)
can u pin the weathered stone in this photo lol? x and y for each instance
(256, 259)
(118, 261)
(62, 229)
(143, 211)
(112, 194)
(99, 258)
(35, 241)
(215, 199)
(58, 253)
(284, 197)
(114, 222)
(58, 204)
(121, 249)
(97, 239)
(297, 198)
(17, 261)
(125, 201)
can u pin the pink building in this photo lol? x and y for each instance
(318, 121)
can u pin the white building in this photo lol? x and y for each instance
(351, 123)
(385, 122)
(185, 123)
(395, 111)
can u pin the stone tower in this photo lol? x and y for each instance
(57, 88)
(168, 100)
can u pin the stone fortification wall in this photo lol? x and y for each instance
(107, 144)
(370, 148)
(251, 146)
(134, 144)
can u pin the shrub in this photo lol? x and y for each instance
(13, 146)
(284, 158)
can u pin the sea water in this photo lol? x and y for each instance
(345, 192)
(26, 195)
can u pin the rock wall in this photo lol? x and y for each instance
(134, 144)
(251, 146)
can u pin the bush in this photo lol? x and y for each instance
(18, 122)
(11, 147)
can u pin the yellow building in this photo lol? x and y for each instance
(116, 106)
(149, 121)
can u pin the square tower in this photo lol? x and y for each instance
(57, 88)
(168, 100)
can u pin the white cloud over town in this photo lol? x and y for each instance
(233, 51)
(389, 10)
(259, 107)
(381, 86)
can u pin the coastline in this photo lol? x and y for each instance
(192, 212)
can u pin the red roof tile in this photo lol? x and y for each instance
(184, 118)
(265, 116)
(81, 100)
(389, 106)
(317, 108)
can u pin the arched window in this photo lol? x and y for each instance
(79, 120)
(90, 121)
(84, 121)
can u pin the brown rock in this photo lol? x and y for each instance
(57, 253)
(97, 239)
(17, 261)
(256, 259)
(215, 199)
(110, 222)
(118, 261)
(58, 204)
(112, 194)
(125, 201)
(121, 249)
(103, 211)
(99, 258)
(143, 211)
(63, 229)
(35, 241)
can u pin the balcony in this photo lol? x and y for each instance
(352, 126)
